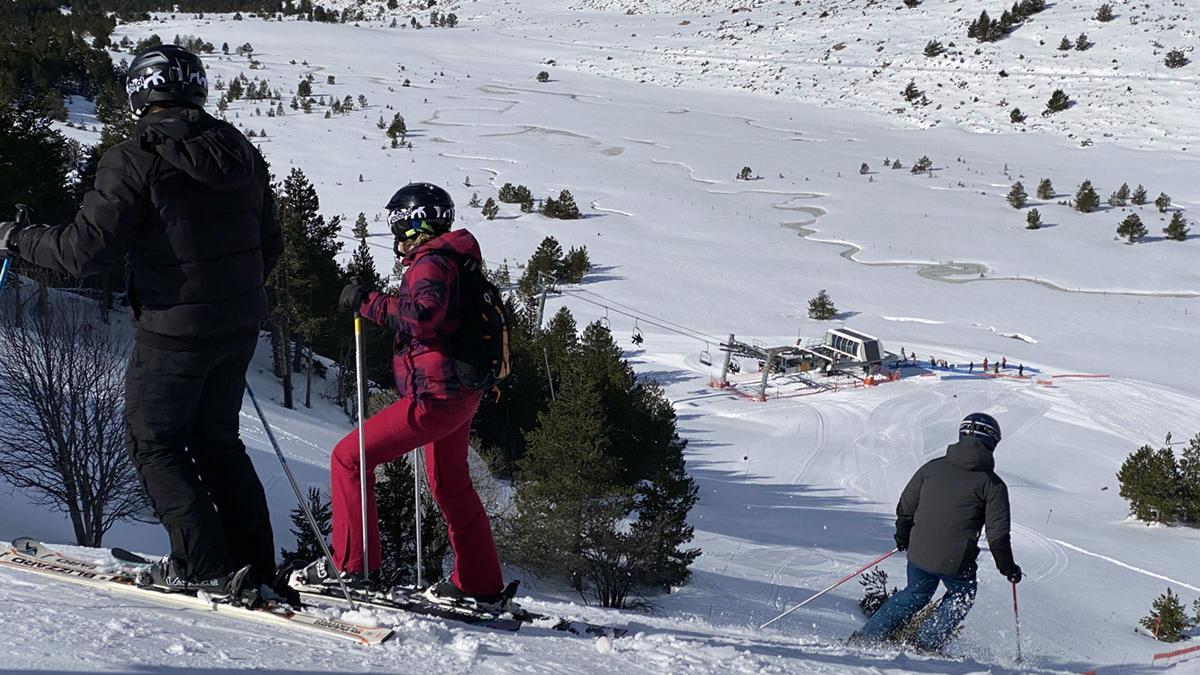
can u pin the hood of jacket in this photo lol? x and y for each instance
(970, 454)
(206, 149)
(456, 243)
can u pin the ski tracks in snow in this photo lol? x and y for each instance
(1126, 565)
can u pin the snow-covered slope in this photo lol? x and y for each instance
(799, 490)
(860, 54)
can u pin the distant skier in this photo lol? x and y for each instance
(938, 521)
(985, 365)
(996, 367)
(1020, 370)
(971, 367)
(435, 408)
(187, 203)
(1004, 362)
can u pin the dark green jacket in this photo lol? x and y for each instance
(945, 507)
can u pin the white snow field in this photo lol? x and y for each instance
(800, 489)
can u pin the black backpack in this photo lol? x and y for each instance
(480, 349)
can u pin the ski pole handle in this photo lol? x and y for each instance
(834, 585)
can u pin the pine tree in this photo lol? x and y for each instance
(1132, 228)
(563, 208)
(362, 263)
(863, 169)
(546, 260)
(308, 548)
(1162, 202)
(933, 48)
(1189, 483)
(575, 265)
(745, 173)
(304, 287)
(1177, 229)
(1045, 189)
(1033, 220)
(1168, 618)
(304, 89)
(1058, 102)
(1086, 199)
(1119, 197)
(1016, 116)
(911, 92)
(1139, 195)
(661, 530)
(491, 209)
(565, 477)
(1017, 197)
(1150, 482)
(922, 165)
(543, 76)
(1104, 13)
(474, 201)
(1082, 43)
(1065, 45)
(821, 307)
(397, 521)
(1176, 59)
(875, 591)
(397, 130)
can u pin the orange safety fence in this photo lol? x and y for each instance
(1178, 652)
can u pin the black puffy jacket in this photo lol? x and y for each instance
(945, 506)
(188, 202)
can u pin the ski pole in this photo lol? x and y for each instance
(362, 437)
(312, 522)
(417, 508)
(1017, 618)
(837, 583)
(22, 218)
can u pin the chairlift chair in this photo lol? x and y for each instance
(636, 338)
(705, 356)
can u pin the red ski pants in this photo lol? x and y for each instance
(443, 427)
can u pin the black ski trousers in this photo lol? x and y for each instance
(181, 422)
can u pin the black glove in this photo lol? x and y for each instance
(901, 541)
(353, 296)
(1013, 573)
(8, 238)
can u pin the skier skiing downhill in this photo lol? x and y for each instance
(187, 202)
(435, 409)
(941, 512)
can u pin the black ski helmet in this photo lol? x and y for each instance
(420, 208)
(165, 74)
(983, 426)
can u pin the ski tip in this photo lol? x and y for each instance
(27, 546)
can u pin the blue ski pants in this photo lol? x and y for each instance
(936, 631)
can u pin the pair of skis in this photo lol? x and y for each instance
(32, 556)
(414, 601)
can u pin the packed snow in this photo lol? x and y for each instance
(800, 489)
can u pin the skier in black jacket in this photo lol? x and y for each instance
(938, 521)
(187, 202)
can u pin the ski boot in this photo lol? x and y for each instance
(445, 592)
(164, 574)
(318, 574)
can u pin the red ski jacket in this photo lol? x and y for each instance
(425, 313)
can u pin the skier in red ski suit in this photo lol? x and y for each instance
(434, 409)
